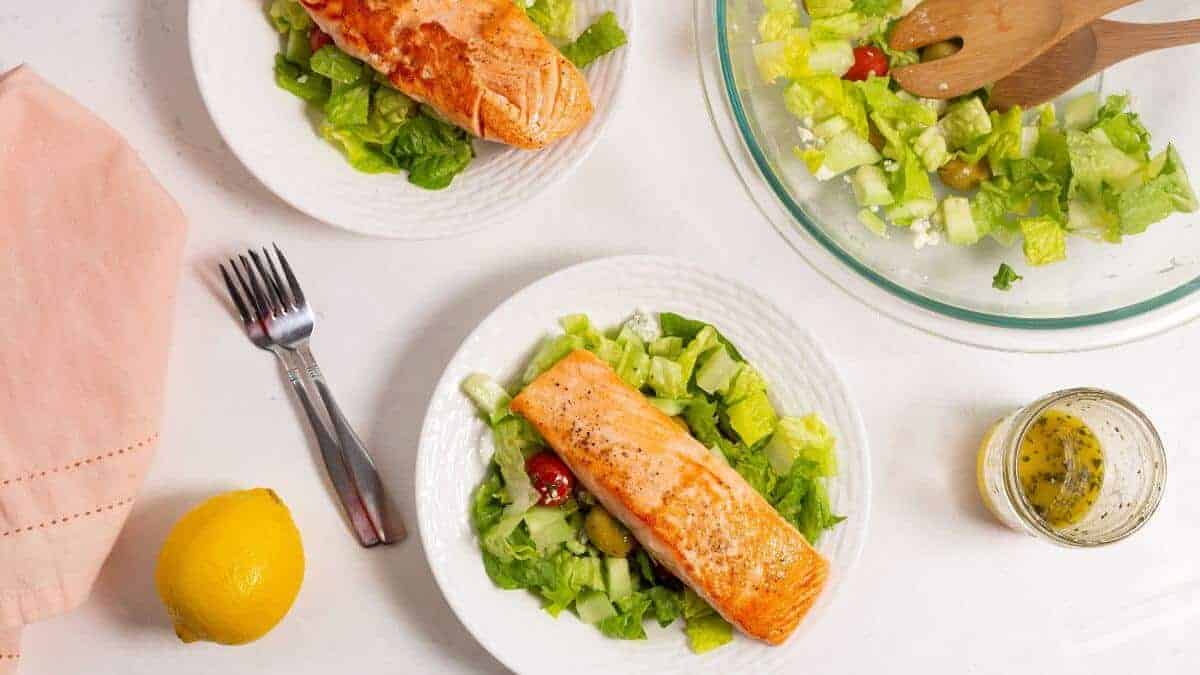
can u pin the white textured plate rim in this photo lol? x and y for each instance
(448, 385)
(503, 210)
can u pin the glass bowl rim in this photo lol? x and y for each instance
(797, 213)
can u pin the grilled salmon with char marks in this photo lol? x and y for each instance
(482, 64)
(694, 513)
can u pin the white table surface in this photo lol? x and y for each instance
(940, 587)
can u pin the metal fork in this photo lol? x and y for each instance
(277, 318)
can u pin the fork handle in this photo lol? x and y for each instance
(343, 485)
(356, 457)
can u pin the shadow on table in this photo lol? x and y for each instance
(396, 434)
(125, 588)
(964, 468)
(172, 89)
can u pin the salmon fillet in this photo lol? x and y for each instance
(482, 64)
(689, 509)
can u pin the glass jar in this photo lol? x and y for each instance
(1135, 469)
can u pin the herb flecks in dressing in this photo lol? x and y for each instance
(1061, 467)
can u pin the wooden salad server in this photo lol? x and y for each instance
(998, 37)
(1084, 53)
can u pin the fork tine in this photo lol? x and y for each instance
(255, 289)
(257, 311)
(233, 293)
(277, 281)
(264, 283)
(297, 294)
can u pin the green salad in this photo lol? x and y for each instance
(540, 533)
(1034, 177)
(379, 129)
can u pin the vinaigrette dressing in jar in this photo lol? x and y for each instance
(1081, 467)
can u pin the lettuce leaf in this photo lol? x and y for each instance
(705, 629)
(301, 83)
(816, 516)
(1169, 192)
(288, 15)
(600, 38)
(784, 58)
(1045, 240)
(781, 17)
(337, 65)
(804, 439)
(555, 18)
(627, 624)
(1123, 129)
(1005, 277)
(674, 325)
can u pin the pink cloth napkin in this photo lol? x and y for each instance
(90, 248)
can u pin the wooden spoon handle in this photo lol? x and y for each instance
(1079, 13)
(1117, 41)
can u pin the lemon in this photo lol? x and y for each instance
(231, 568)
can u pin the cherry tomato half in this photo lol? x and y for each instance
(318, 38)
(867, 60)
(551, 478)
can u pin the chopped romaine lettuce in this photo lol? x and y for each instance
(308, 86)
(821, 9)
(627, 624)
(545, 549)
(1005, 278)
(718, 371)
(753, 418)
(784, 58)
(804, 439)
(552, 350)
(1045, 240)
(706, 630)
(379, 129)
(349, 105)
(488, 395)
(666, 378)
(781, 16)
(965, 122)
(555, 18)
(288, 15)
(600, 38)
(337, 65)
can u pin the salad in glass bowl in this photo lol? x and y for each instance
(955, 170)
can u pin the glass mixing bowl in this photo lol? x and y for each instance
(1102, 294)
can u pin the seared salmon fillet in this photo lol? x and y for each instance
(482, 64)
(688, 508)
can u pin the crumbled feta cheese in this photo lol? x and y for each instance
(924, 234)
(823, 174)
(937, 105)
(943, 87)
(891, 165)
(808, 122)
(644, 325)
(806, 136)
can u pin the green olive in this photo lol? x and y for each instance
(607, 534)
(964, 176)
(939, 50)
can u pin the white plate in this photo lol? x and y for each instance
(233, 51)
(453, 456)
